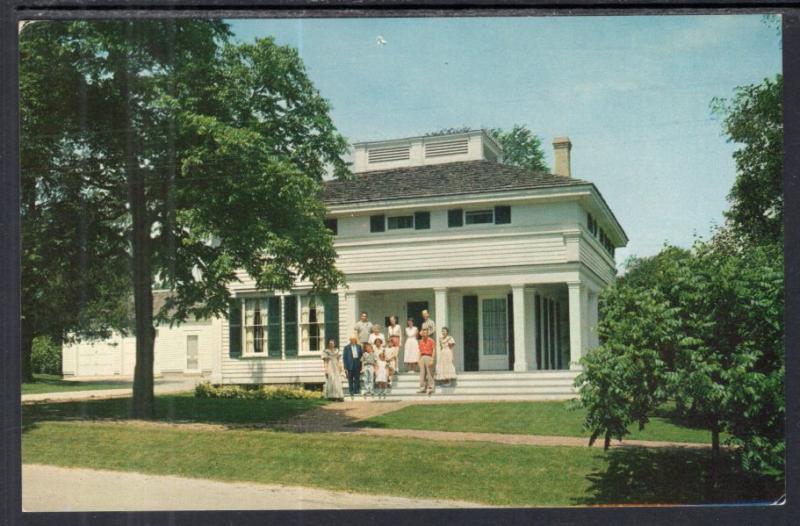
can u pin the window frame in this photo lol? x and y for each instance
(489, 211)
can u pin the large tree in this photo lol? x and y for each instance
(217, 151)
(74, 279)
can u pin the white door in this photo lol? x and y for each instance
(493, 334)
(192, 353)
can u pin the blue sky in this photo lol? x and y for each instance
(632, 93)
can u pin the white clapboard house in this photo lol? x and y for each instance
(510, 260)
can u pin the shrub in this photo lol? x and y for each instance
(264, 392)
(45, 356)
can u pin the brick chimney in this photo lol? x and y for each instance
(561, 148)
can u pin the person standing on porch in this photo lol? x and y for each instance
(428, 324)
(445, 370)
(426, 357)
(333, 372)
(393, 330)
(363, 328)
(352, 364)
(411, 350)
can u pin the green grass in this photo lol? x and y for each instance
(528, 418)
(49, 383)
(480, 472)
(174, 408)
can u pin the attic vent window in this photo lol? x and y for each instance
(444, 148)
(389, 153)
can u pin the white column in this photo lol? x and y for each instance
(352, 314)
(576, 326)
(518, 297)
(440, 305)
(530, 328)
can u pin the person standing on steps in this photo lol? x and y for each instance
(428, 325)
(363, 329)
(427, 351)
(333, 373)
(352, 365)
(445, 369)
(411, 349)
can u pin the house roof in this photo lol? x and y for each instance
(466, 177)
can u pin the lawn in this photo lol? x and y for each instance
(480, 472)
(50, 383)
(173, 408)
(528, 418)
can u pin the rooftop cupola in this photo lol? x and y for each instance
(475, 145)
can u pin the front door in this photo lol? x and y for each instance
(471, 344)
(192, 354)
(493, 333)
(414, 310)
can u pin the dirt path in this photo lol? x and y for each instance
(51, 488)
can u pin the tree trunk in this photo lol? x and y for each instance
(715, 460)
(141, 265)
(27, 350)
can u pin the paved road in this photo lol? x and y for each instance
(162, 386)
(51, 488)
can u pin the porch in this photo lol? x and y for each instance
(533, 328)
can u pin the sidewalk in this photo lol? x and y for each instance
(51, 488)
(163, 386)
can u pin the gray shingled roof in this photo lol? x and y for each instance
(465, 177)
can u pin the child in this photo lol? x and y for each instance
(381, 374)
(368, 369)
(392, 352)
(374, 335)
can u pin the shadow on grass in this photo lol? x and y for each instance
(674, 476)
(172, 409)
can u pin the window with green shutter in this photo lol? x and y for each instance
(331, 304)
(422, 220)
(274, 327)
(502, 215)
(377, 223)
(455, 217)
(290, 325)
(235, 329)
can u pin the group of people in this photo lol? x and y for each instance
(372, 360)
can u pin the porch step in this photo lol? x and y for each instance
(501, 385)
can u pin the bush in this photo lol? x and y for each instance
(45, 356)
(264, 392)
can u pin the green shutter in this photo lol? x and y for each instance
(502, 215)
(422, 220)
(274, 327)
(290, 325)
(455, 217)
(331, 304)
(235, 328)
(377, 223)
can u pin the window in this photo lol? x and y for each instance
(332, 225)
(274, 327)
(255, 311)
(399, 222)
(192, 361)
(502, 215)
(312, 323)
(422, 220)
(455, 217)
(377, 223)
(477, 217)
(290, 326)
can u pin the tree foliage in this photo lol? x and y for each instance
(753, 120)
(703, 328)
(209, 156)
(521, 147)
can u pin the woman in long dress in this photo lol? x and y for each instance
(411, 349)
(445, 369)
(331, 357)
